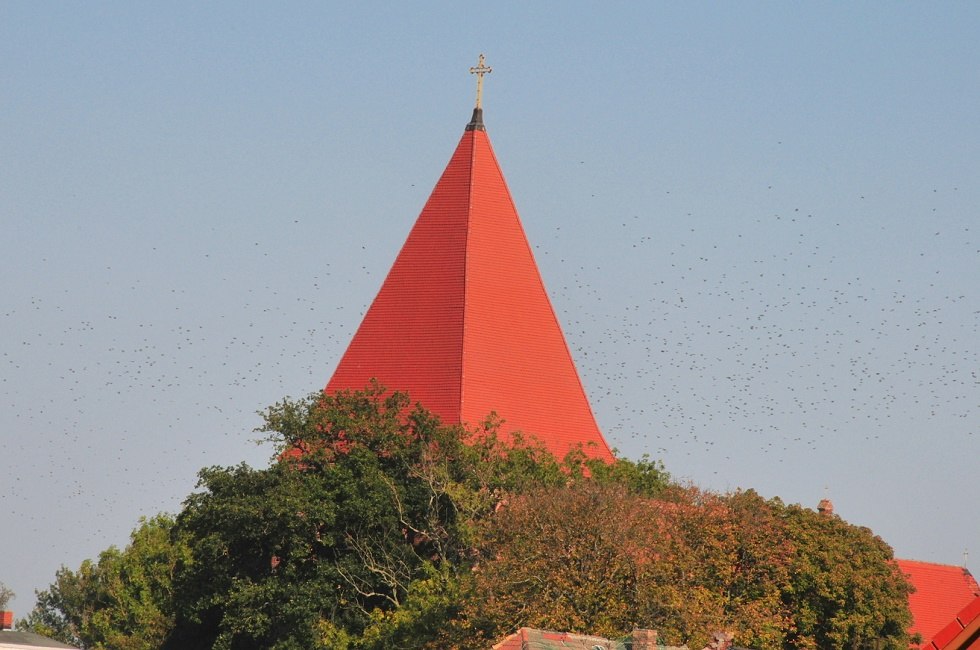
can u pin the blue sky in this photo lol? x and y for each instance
(759, 224)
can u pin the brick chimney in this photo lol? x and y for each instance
(644, 640)
(6, 620)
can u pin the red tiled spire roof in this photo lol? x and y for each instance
(941, 591)
(463, 323)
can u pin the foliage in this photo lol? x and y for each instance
(643, 477)
(357, 534)
(6, 593)
(123, 601)
(600, 559)
(375, 526)
(845, 590)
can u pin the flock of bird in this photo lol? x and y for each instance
(729, 346)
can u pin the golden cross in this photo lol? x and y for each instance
(479, 71)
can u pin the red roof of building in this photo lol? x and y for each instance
(527, 637)
(962, 633)
(941, 592)
(463, 323)
(544, 640)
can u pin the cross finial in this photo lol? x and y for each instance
(479, 71)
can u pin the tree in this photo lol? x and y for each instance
(602, 559)
(555, 559)
(6, 593)
(123, 601)
(845, 590)
(355, 536)
(376, 526)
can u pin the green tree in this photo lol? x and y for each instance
(375, 526)
(6, 593)
(357, 534)
(845, 590)
(121, 602)
(64, 608)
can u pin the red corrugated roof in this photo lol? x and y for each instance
(941, 591)
(463, 322)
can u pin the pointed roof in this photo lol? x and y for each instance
(941, 591)
(463, 323)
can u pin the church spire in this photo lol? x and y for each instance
(463, 323)
(476, 123)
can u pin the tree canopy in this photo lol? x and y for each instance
(123, 601)
(358, 533)
(376, 526)
(601, 559)
(6, 593)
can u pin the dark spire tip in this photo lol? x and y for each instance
(476, 122)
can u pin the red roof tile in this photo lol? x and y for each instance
(962, 633)
(463, 322)
(941, 591)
